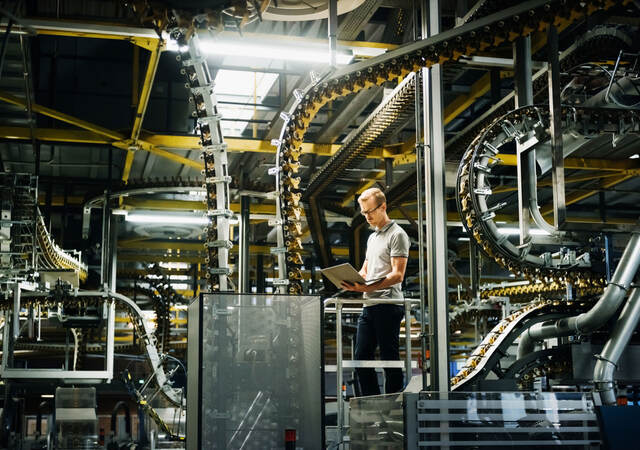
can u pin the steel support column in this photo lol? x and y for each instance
(245, 226)
(333, 31)
(260, 278)
(388, 172)
(526, 159)
(420, 206)
(474, 269)
(104, 246)
(436, 207)
(555, 129)
(113, 251)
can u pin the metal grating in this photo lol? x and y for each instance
(506, 419)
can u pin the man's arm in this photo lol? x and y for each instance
(363, 270)
(398, 268)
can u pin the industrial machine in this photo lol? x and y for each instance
(559, 349)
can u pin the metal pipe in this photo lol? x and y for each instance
(105, 239)
(339, 381)
(433, 125)
(5, 41)
(555, 129)
(113, 251)
(245, 204)
(608, 359)
(600, 313)
(127, 418)
(407, 346)
(333, 31)
(42, 406)
(419, 199)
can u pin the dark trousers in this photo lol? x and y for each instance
(379, 325)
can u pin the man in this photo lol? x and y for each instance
(379, 325)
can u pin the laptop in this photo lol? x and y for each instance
(346, 272)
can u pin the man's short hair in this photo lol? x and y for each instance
(373, 193)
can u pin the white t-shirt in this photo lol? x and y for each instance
(383, 244)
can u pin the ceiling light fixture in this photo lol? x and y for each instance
(532, 231)
(291, 51)
(175, 265)
(166, 219)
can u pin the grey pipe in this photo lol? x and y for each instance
(597, 316)
(608, 359)
(527, 342)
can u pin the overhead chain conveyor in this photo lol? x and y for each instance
(482, 34)
(588, 48)
(26, 243)
(214, 155)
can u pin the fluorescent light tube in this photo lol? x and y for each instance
(166, 219)
(175, 265)
(532, 231)
(316, 54)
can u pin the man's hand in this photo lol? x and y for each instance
(356, 287)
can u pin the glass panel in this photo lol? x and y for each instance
(378, 419)
(261, 371)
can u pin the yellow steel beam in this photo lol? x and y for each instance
(147, 37)
(191, 205)
(143, 102)
(58, 200)
(144, 42)
(97, 129)
(462, 102)
(54, 135)
(567, 180)
(178, 246)
(233, 144)
(147, 84)
(143, 37)
(161, 144)
(583, 163)
(127, 144)
(581, 195)
(128, 162)
(182, 142)
(405, 155)
(164, 205)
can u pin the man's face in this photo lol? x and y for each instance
(372, 211)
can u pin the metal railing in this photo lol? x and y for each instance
(338, 309)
